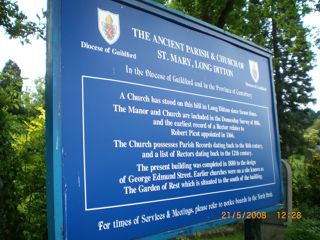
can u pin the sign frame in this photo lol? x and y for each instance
(54, 150)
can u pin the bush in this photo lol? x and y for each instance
(305, 229)
(308, 211)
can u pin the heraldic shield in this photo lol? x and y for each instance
(254, 70)
(109, 26)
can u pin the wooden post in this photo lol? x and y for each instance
(252, 229)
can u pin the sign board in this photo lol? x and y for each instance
(160, 122)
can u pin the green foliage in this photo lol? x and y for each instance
(312, 136)
(282, 32)
(313, 116)
(312, 212)
(22, 164)
(32, 100)
(11, 218)
(16, 24)
(300, 182)
(29, 147)
(306, 169)
(11, 82)
(276, 25)
(214, 12)
(305, 229)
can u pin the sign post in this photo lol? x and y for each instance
(160, 124)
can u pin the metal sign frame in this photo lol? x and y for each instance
(54, 150)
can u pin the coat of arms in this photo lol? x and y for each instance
(109, 26)
(254, 70)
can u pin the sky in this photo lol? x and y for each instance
(313, 20)
(31, 57)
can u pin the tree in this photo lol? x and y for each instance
(306, 169)
(11, 81)
(11, 218)
(276, 25)
(214, 12)
(292, 62)
(31, 181)
(312, 136)
(14, 122)
(16, 23)
(22, 163)
(312, 117)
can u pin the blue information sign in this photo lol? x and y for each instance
(166, 122)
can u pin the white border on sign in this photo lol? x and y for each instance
(166, 199)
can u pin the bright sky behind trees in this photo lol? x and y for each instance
(31, 57)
